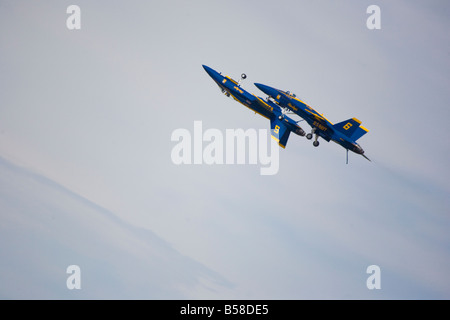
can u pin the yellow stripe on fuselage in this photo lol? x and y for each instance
(247, 106)
(231, 79)
(269, 108)
(301, 101)
(308, 106)
(319, 116)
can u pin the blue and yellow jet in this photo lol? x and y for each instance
(345, 133)
(281, 125)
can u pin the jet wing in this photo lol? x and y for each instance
(263, 104)
(313, 115)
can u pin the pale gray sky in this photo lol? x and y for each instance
(93, 111)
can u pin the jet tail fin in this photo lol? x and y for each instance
(352, 128)
(280, 132)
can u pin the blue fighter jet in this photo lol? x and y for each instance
(344, 133)
(281, 125)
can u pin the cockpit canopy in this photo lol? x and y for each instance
(291, 94)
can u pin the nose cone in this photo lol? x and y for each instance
(213, 73)
(359, 150)
(267, 90)
(208, 69)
